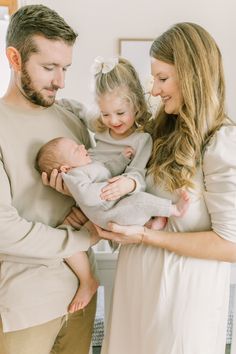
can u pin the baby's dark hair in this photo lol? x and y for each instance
(48, 157)
(124, 80)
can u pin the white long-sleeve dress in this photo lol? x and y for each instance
(164, 303)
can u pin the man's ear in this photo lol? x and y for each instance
(14, 58)
(64, 168)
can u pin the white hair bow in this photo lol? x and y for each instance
(102, 65)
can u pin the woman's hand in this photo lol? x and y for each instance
(122, 234)
(117, 187)
(75, 218)
(56, 182)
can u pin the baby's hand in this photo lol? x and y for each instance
(129, 152)
(118, 187)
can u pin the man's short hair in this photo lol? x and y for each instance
(33, 20)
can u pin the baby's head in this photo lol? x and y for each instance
(119, 80)
(62, 154)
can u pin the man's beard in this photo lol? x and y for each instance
(31, 94)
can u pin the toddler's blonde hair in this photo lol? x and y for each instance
(123, 79)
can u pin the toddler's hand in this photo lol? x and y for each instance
(129, 152)
(118, 187)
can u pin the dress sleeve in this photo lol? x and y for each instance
(219, 168)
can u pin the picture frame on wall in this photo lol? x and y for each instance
(136, 50)
(11, 5)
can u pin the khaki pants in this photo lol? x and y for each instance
(59, 336)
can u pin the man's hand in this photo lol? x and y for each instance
(55, 181)
(75, 218)
(94, 237)
(117, 187)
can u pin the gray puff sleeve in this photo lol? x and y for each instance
(219, 169)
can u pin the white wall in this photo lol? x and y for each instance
(4, 67)
(101, 22)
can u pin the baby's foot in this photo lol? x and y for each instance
(180, 208)
(156, 223)
(84, 294)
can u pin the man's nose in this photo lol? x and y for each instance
(59, 80)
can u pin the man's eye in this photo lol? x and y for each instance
(120, 113)
(48, 68)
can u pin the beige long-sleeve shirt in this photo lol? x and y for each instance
(35, 283)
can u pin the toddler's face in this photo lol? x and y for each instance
(117, 114)
(73, 154)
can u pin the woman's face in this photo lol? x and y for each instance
(166, 85)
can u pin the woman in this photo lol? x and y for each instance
(172, 286)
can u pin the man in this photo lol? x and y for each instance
(36, 285)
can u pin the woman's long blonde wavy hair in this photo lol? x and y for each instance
(124, 80)
(179, 140)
